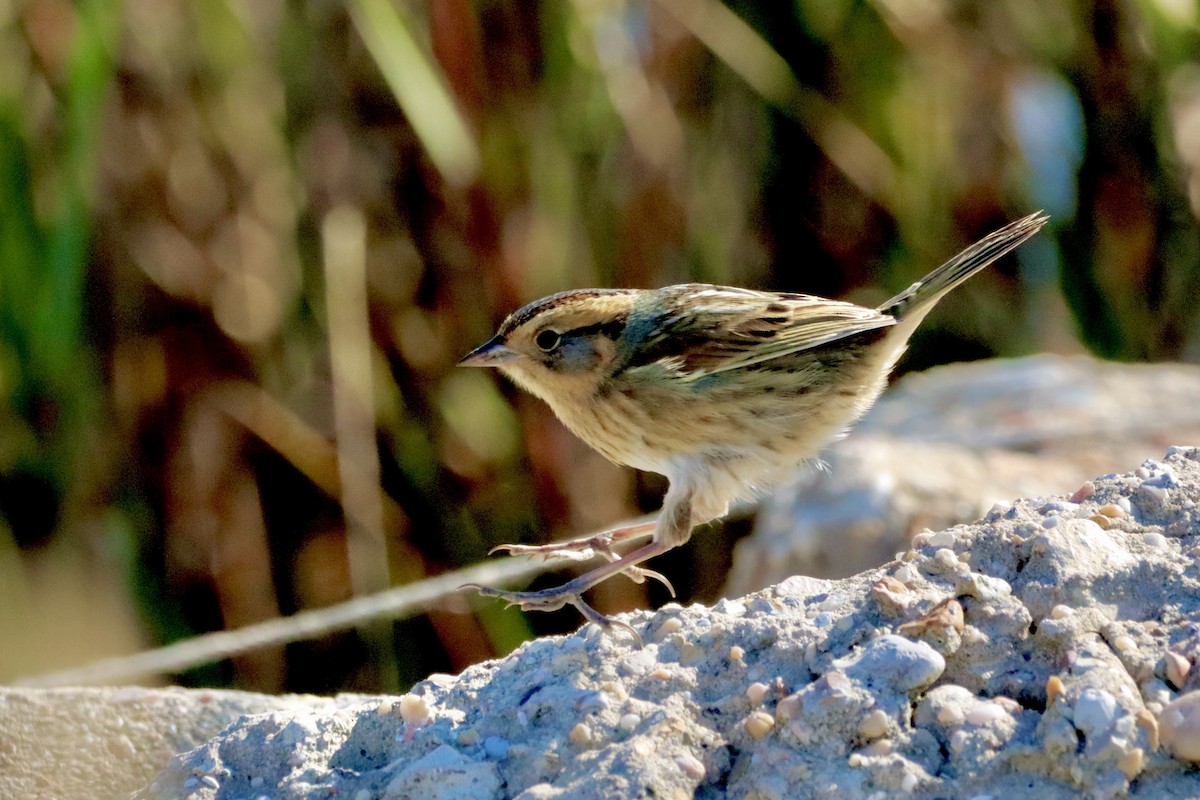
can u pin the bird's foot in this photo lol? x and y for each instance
(582, 549)
(552, 600)
(572, 591)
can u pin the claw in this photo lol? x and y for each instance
(552, 600)
(639, 575)
(605, 623)
(546, 552)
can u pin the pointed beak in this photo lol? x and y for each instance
(491, 353)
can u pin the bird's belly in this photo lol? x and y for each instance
(761, 435)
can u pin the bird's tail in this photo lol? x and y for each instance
(916, 300)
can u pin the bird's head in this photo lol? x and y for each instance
(562, 346)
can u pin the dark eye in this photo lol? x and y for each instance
(548, 339)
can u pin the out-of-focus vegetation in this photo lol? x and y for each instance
(243, 243)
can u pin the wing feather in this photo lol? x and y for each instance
(702, 330)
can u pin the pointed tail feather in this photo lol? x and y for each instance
(921, 296)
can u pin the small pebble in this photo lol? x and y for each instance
(879, 747)
(732, 608)
(210, 782)
(1132, 763)
(756, 692)
(690, 766)
(616, 689)
(1112, 510)
(736, 654)
(495, 747)
(982, 587)
(1124, 643)
(669, 626)
(592, 702)
(1146, 719)
(761, 605)
(759, 724)
(1104, 522)
(999, 509)
(1155, 539)
(947, 614)
(958, 741)
(921, 539)
(1083, 492)
(1155, 495)
(385, 707)
(580, 734)
(1179, 727)
(467, 737)
(1008, 704)
(873, 725)
(662, 674)
(909, 782)
(950, 714)
(413, 710)
(890, 659)
(906, 574)
(1177, 668)
(1095, 711)
(986, 713)
(891, 595)
(629, 722)
(790, 708)
(1054, 689)
(1124, 504)
(1061, 612)
(1164, 479)
(1051, 521)
(946, 558)
(942, 539)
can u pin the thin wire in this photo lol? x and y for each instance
(401, 602)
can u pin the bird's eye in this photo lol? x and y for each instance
(548, 339)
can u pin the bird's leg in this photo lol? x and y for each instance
(672, 529)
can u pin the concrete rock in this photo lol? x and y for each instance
(810, 689)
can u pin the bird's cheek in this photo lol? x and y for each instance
(576, 359)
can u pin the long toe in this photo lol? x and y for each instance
(546, 551)
(544, 600)
(605, 623)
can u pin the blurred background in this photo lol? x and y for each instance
(244, 242)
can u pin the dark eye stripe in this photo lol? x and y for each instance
(611, 329)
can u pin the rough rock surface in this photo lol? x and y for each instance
(944, 445)
(107, 742)
(1045, 651)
